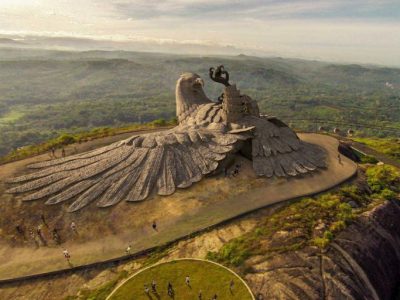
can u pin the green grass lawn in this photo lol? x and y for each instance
(205, 276)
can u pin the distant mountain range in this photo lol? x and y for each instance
(44, 93)
(146, 45)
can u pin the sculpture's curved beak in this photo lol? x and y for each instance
(198, 83)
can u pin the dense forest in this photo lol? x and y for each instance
(47, 93)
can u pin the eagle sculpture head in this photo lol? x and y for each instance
(189, 94)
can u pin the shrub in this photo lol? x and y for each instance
(367, 159)
(345, 212)
(321, 242)
(65, 139)
(381, 177)
(159, 122)
(385, 194)
(337, 226)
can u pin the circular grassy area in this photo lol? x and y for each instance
(207, 277)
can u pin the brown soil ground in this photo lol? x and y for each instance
(105, 233)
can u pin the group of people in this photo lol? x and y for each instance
(171, 292)
(53, 152)
(40, 234)
(154, 288)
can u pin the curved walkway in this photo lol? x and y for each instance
(181, 259)
(205, 205)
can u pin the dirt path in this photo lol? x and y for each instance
(105, 233)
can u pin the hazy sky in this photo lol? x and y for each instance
(337, 30)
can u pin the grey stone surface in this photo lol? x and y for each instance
(132, 169)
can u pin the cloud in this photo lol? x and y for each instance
(258, 9)
(357, 30)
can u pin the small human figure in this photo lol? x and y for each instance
(187, 280)
(235, 172)
(67, 256)
(56, 236)
(73, 227)
(53, 152)
(146, 289)
(63, 152)
(128, 249)
(215, 297)
(154, 225)
(231, 285)
(200, 295)
(154, 287)
(20, 230)
(41, 235)
(339, 158)
(170, 290)
(39, 230)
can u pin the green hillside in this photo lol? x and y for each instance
(46, 93)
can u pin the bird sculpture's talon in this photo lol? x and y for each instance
(219, 75)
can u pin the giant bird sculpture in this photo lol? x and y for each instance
(208, 133)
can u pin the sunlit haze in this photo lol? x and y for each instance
(361, 31)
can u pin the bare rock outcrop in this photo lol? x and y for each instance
(363, 262)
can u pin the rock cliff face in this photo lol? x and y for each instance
(363, 262)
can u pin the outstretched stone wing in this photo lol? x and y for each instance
(276, 150)
(130, 169)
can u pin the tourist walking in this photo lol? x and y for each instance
(215, 297)
(40, 235)
(170, 290)
(20, 231)
(231, 285)
(200, 296)
(56, 236)
(146, 289)
(154, 287)
(187, 280)
(66, 255)
(128, 249)
(73, 228)
(154, 225)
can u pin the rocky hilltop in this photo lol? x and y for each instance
(362, 262)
